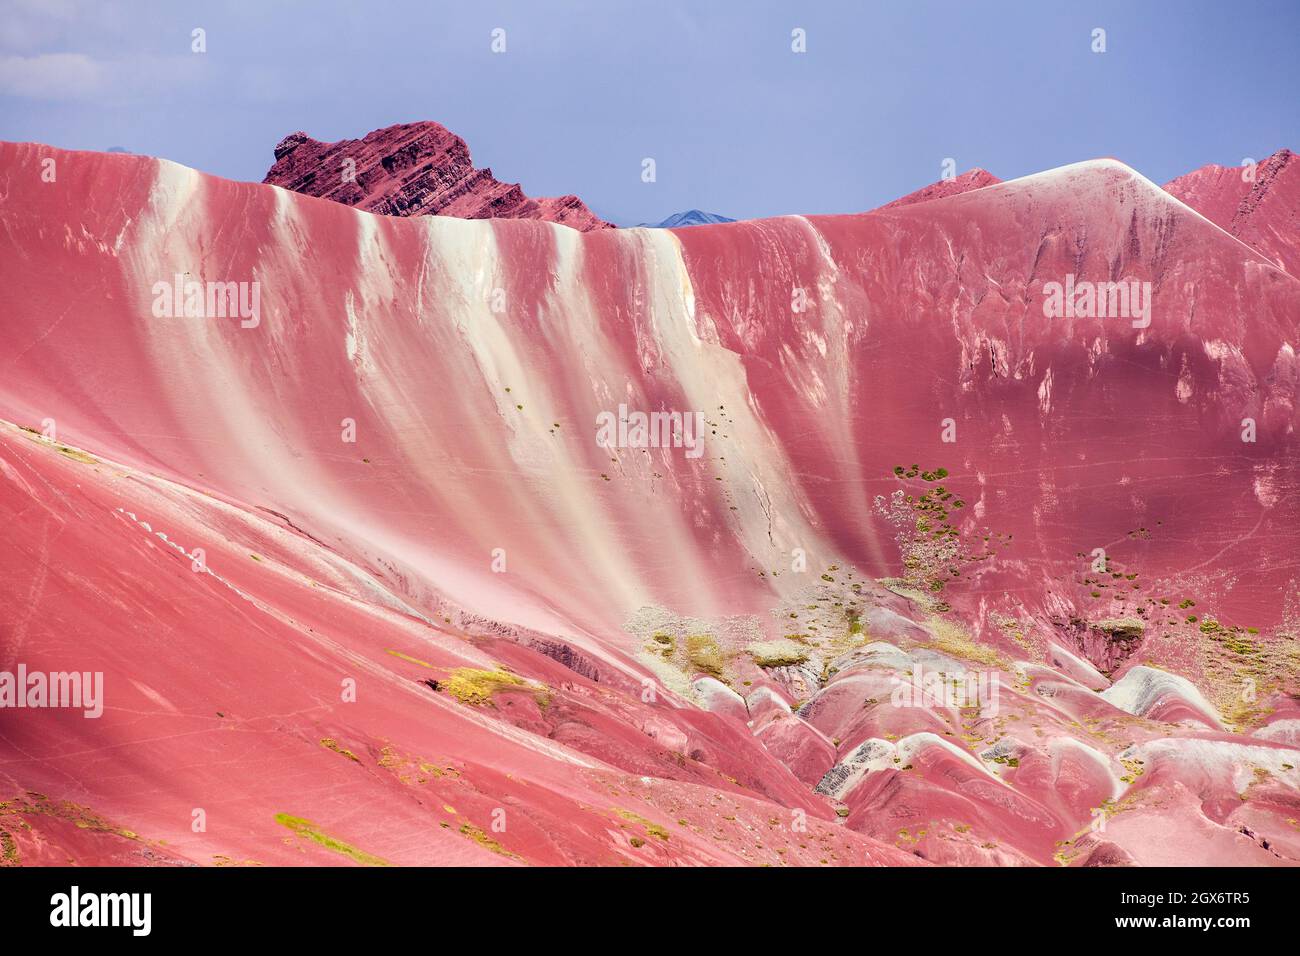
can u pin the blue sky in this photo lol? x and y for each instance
(737, 123)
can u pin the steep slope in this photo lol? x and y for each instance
(289, 703)
(1260, 205)
(393, 472)
(414, 169)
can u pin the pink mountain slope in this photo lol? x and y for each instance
(971, 179)
(414, 169)
(434, 621)
(1260, 205)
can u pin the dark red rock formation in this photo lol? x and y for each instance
(414, 169)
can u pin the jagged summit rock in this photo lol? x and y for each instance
(414, 169)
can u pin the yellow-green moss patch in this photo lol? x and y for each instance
(472, 686)
(952, 640)
(83, 818)
(703, 653)
(778, 653)
(329, 743)
(483, 840)
(652, 828)
(309, 830)
(76, 455)
(409, 658)
(8, 850)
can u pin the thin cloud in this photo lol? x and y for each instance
(78, 76)
(51, 76)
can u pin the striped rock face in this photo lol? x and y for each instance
(414, 169)
(957, 531)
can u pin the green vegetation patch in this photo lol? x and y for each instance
(483, 840)
(83, 818)
(778, 653)
(1121, 628)
(703, 653)
(8, 849)
(75, 455)
(472, 686)
(329, 743)
(654, 829)
(409, 659)
(952, 640)
(310, 831)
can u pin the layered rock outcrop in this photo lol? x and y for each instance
(414, 169)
